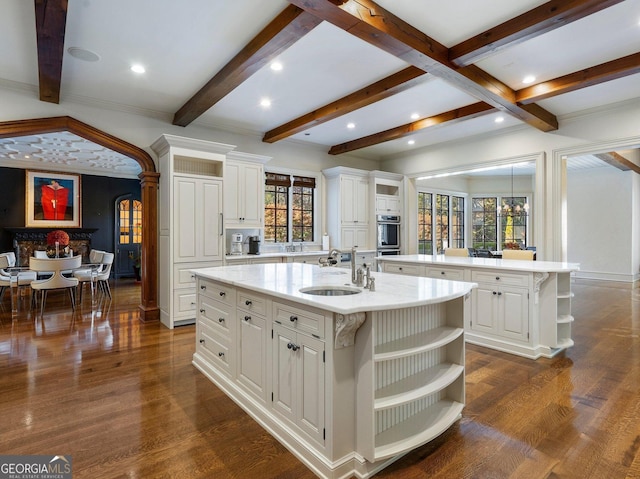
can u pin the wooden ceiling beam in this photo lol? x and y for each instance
(535, 22)
(373, 24)
(51, 22)
(287, 28)
(449, 118)
(377, 91)
(619, 68)
(618, 161)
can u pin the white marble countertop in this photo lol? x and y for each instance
(284, 280)
(495, 263)
(287, 254)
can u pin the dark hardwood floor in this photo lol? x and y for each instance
(122, 398)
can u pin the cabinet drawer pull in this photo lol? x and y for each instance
(247, 318)
(442, 272)
(221, 320)
(202, 341)
(248, 302)
(497, 278)
(221, 354)
(293, 318)
(495, 292)
(202, 311)
(222, 293)
(293, 347)
(499, 293)
(203, 287)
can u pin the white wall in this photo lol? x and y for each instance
(600, 223)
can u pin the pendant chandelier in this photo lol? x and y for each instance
(510, 208)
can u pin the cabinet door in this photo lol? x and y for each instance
(513, 317)
(252, 372)
(354, 236)
(361, 201)
(231, 194)
(186, 221)
(348, 195)
(251, 190)
(484, 316)
(284, 372)
(211, 227)
(310, 386)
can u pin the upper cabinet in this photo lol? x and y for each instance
(244, 190)
(348, 211)
(388, 192)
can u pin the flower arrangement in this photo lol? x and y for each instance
(56, 240)
(57, 236)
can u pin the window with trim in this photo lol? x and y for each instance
(499, 222)
(289, 208)
(440, 222)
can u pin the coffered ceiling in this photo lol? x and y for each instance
(458, 66)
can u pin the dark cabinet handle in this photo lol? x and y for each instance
(495, 292)
(293, 318)
(247, 318)
(221, 355)
(442, 272)
(221, 320)
(293, 347)
(248, 302)
(203, 287)
(500, 293)
(202, 311)
(222, 293)
(202, 341)
(497, 278)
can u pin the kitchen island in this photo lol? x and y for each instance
(348, 383)
(519, 307)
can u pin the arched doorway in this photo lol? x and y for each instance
(149, 310)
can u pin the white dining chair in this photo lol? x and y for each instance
(105, 273)
(8, 260)
(90, 273)
(57, 280)
(523, 254)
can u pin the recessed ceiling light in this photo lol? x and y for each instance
(351, 125)
(499, 119)
(265, 103)
(82, 54)
(415, 116)
(276, 66)
(137, 68)
(411, 142)
(528, 79)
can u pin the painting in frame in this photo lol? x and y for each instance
(53, 200)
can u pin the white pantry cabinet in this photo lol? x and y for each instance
(189, 218)
(348, 222)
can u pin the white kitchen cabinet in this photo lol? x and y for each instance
(198, 219)
(252, 343)
(244, 190)
(348, 222)
(298, 380)
(440, 272)
(189, 220)
(388, 205)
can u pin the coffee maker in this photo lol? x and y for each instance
(254, 245)
(236, 243)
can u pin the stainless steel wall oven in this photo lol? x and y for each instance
(388, 233)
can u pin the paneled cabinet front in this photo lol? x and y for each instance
(252, 343)
(243, 194)
(198, 219)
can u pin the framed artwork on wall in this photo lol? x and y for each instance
(53, 199)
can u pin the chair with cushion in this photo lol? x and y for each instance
(456, 252)
(517, 254)
(8, 260)
(57, 281)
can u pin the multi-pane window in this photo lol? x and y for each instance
(499, 222)
(484, 223)
(440, 222)
(425, 223)
(130, 221)
(302, 208)
(276, 208)
(288, 208)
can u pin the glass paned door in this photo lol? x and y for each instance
(128, 236)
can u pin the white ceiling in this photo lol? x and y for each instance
(183, 44)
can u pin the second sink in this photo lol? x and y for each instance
(330, 290)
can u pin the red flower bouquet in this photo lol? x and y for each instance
(59, 236)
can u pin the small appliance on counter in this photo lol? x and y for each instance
(236, 243)
(254, 245)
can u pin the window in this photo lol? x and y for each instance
(445, 217)
(289, 208)
(130, 222)
(499, 227)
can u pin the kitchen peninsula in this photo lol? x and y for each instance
(348, 383)
(519, 307)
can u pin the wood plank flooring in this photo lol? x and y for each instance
(122, 398)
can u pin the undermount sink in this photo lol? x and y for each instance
(330, 290)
